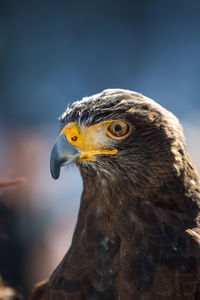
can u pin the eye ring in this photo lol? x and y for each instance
(118, 129)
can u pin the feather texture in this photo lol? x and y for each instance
(137, 234)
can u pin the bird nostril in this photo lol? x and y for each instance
(74, 138)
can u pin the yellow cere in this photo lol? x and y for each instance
(89, 141)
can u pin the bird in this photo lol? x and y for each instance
(137, 235)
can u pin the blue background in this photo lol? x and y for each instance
(53, 52)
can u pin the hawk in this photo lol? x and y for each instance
(137, 234)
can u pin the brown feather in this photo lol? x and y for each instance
(137, 235)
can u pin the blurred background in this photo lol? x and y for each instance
(55, 52)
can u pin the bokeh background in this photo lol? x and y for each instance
(55, 52)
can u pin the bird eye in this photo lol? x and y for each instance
(118, 129)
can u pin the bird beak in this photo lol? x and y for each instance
(77, 143)
(63, 153)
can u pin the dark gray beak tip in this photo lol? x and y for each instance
(55, 165)
(59, 155)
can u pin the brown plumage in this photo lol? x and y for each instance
(137, 235)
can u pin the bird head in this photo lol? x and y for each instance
(120, 136)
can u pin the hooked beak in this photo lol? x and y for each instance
(63, 153)
(79, 143)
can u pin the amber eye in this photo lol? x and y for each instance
(118, 129)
